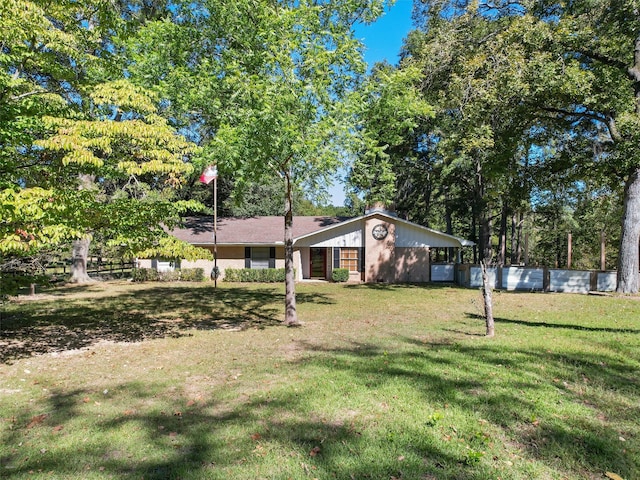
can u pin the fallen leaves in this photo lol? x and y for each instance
(37, 420)
(613, 476)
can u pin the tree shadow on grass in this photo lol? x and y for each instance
(196, 440)
(528, 323)
(515, 391)
(383, 286)
(56, 325)
(188, 439)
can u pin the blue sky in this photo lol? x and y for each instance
(383, 40)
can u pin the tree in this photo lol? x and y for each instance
(267, 84)
(478, 141)
(583, 73)
(392, 109)
(602, 41)
(130, 168)
(69, 119)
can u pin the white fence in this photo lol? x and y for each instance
(527, 278)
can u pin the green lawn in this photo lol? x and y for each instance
(182, 381)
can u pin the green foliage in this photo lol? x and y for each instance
(340, 274)
(182, 275)
(12, 282)
(84, 151)
(263, 275)
(192, 274)
(392, 108)
(169, 247)
(145, 275)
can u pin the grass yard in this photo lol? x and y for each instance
(181, 381)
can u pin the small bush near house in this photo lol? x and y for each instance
(145, 275)
(340, 275)
(152, 275)
(265, 275)
(192, 275)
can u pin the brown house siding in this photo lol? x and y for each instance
(380, 255)
(412, 265)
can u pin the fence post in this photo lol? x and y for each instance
(546, 279)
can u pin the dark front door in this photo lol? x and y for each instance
(318, 262)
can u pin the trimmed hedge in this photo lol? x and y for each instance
(340, 274)
(192, 274)
(263, 275)
(152, 275)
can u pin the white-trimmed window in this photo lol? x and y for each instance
(351, 258)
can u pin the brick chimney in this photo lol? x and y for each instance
(380, 207)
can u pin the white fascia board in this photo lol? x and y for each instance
(329, 228)
(462, 241)
(392, 219)
(211, 244)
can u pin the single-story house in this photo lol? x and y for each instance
(375, 247)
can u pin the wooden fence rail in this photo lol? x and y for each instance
(94, 268)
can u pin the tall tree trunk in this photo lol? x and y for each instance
(485, 217)
(486, 227)
(486, 251)
(80, 247)
(513, 239)
(629, 258)
(290, 313)
(449, 222)
(502, 247)
(518, 248)
(488, 300)
(79, 256)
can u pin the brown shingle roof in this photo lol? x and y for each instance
(253, 230)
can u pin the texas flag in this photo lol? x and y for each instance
(210, 173)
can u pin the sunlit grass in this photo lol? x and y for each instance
(183, 381)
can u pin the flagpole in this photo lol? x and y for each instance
(215, 231)
(211, 173)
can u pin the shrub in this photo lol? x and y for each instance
(152, 275)
(340, 274)
(265, 275)
(192, 275)
(169, 276)
(145, 275)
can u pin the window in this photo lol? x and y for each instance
(349, 259)
(260, 257)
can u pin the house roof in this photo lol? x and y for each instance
(248, 231)
(394, 219)
(268, 230)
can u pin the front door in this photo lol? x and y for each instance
(318, 262)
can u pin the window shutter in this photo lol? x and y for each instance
(361, 255)
(336, 257)
(272, 257)
(247, 257)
